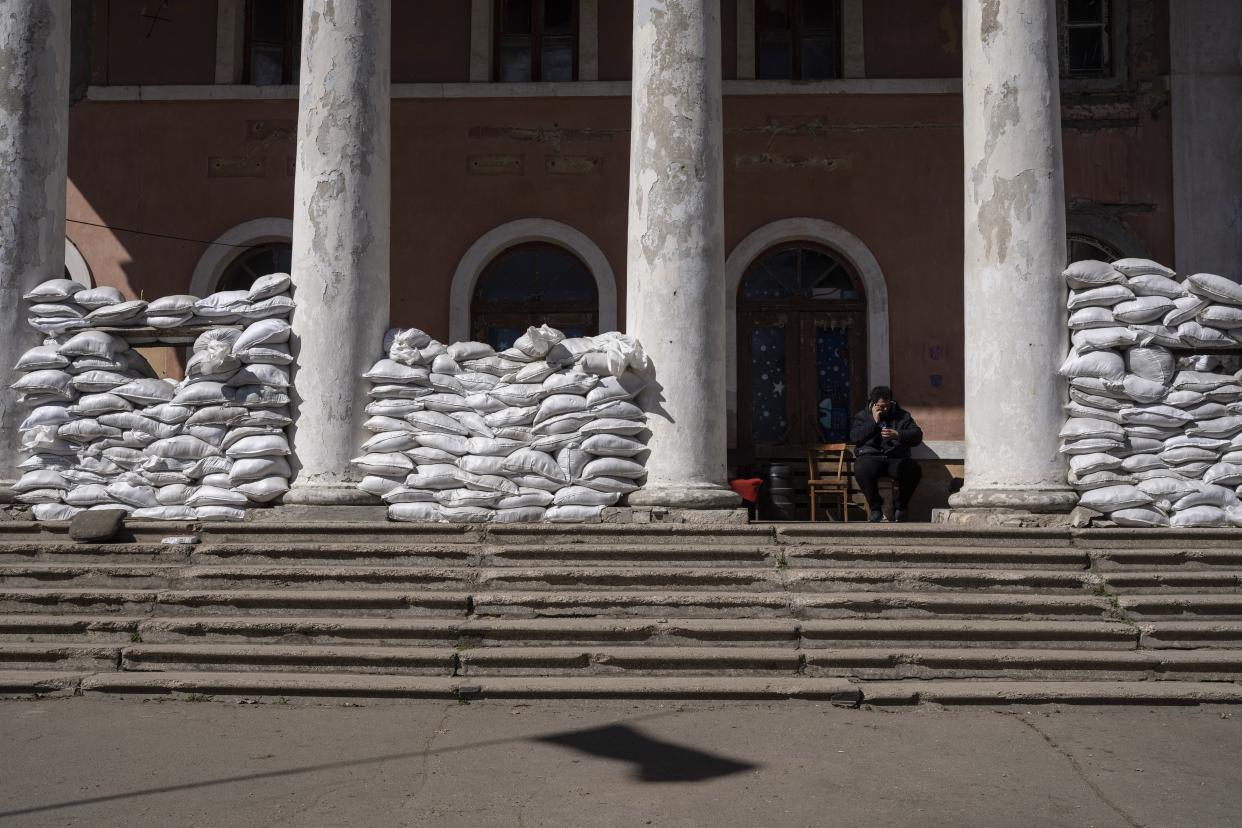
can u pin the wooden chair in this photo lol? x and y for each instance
(830, 474)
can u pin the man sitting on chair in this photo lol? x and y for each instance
(883, 434)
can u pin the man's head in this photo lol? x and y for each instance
(882, 397)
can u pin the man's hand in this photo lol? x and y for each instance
(889, 433)
(879, 410)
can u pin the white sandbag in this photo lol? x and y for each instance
(618, 410)
(140, 497)
(1106, 296)
(271, 376)
(380, 486)
(174, 495)
(86, 431)
(436, 423)
(215, 496)
(88, 495)
(536, 481)
(1225, 317)
(1143, 309)
(196, 394)
(1099, 480)
(1104, 365)
(41, 358)
(1208, 495)
(1169, 489)
(399, 391)
(487, 483)
(264, 490)
(1231, 393)
(445, 403)
(466, 514)
(572, 461)
(209, 465)
(53, 290)
(178, 513)
(169, 321)
(1143, 517)
(257, 468)
(613, 445)
(1215, 288)
(519, 396)
(564, 424)
(1150, 284)
(574, 514)
(1091, 317)
(48, 382)
(462, 351)
(1161, 335)
(47, 415)
(1091, 274)
(222, 305)
(118, 314)
(1188, 454)
(1142, 267)
(1090, 445)
(98, 382)
(1185, 309)
(265, 287)
(467, 498)
(527, 498)
(395, 408)
(1074, 429)
(169, 413)
(391, 441)
(183, 447)
(35, 497)
(44, 512)
(1085, 464)
(1113, 498)
(1154, 364)
(416, 512)
(1221, 427)
(1199, 381)
(607, 425)
(1199, 517)
(433, 477)
(536, 342)
(1161, 416)
(512, 416)
(40, 479)
(425, 456)
(95, 405)
(614, 467)
(259, 396)
(453, 444)
(617, 485)
(147, 391)
(473, 382)
(582, 496)
(559, 404)
(494, 447)
(1224, 474)
(1143, 390)
(1103, 339)
(479, 464)
(391, 371)
(265, 355)
(1143, 462)
(529, 461)
(402, 494)
(266, 445)
(1198, 336)
(98, 297)
(219, 513)
(93, 344)
(1210, 443)
(177, 305)
(531, 514)
(535, 373)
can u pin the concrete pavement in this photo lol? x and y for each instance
(107, 761)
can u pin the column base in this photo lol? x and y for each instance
(328, 494)
(1011, 507)
(687, 496)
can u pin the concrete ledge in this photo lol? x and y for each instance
(38, 683)
(1049, 692)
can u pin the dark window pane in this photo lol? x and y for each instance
(769, 411)
(561, 277)
(515, 65)
(832, 380)
(775, 57)
(819, 58)
(772, 14)
(798, 274)
(267, 65)
(1086, 11)
(255, 262)
(502, 338)
(268, 21)
(1082, 248)
(536, 273)
(818, 15)
(558, 17)
(517, 17)
(1086, 50)
(558, 59)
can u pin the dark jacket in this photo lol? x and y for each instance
(865, 434)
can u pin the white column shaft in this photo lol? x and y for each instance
(1015, 252)
(676, 299)
(341, 224)
(34, 152)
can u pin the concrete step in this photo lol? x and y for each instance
(1190, 634)
(626, 552)
(1159, 558)
(58, 656)
(858, 579)
(1199, 581)
(1181, 606)
(362, 603)
(891, 554)
(552, 661)
(180, 576)
(412, 661)
(917, 663)
(871, 633)
(708, 578)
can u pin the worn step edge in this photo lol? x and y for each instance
(964, 692)
(378, 686)
(39, 682)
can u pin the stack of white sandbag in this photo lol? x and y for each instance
(1154, 434)
(104, 433)
(545, 430)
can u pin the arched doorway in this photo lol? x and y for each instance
(533, 284)
(802, 350)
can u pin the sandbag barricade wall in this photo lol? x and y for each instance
(545, 430)
(104, 433)
(1154, 433)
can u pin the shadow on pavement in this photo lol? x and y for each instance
(655, 761)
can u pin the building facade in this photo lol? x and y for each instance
(772, 194)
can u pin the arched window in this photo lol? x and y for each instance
(802, 349)
(533, 284)
(1088, 247)
(260, 260)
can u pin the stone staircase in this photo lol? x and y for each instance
(850, 613)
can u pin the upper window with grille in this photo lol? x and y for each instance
(536, 40)
(797, 39)
(1087, 39)
(273, 41)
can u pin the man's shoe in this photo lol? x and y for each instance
(876, 516)
(901, 516)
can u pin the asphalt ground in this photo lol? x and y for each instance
(129, 762)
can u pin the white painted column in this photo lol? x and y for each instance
(34, 153)
(1015, 252)
(341, 221)
(676, 300)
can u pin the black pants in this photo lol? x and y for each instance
(871, 467)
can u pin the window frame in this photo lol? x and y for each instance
(292, 45)
(797, 35)
(242, 258)
(487, 315)
(1116, 31)
(536, 40)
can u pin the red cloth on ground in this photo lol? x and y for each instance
(748, 488)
